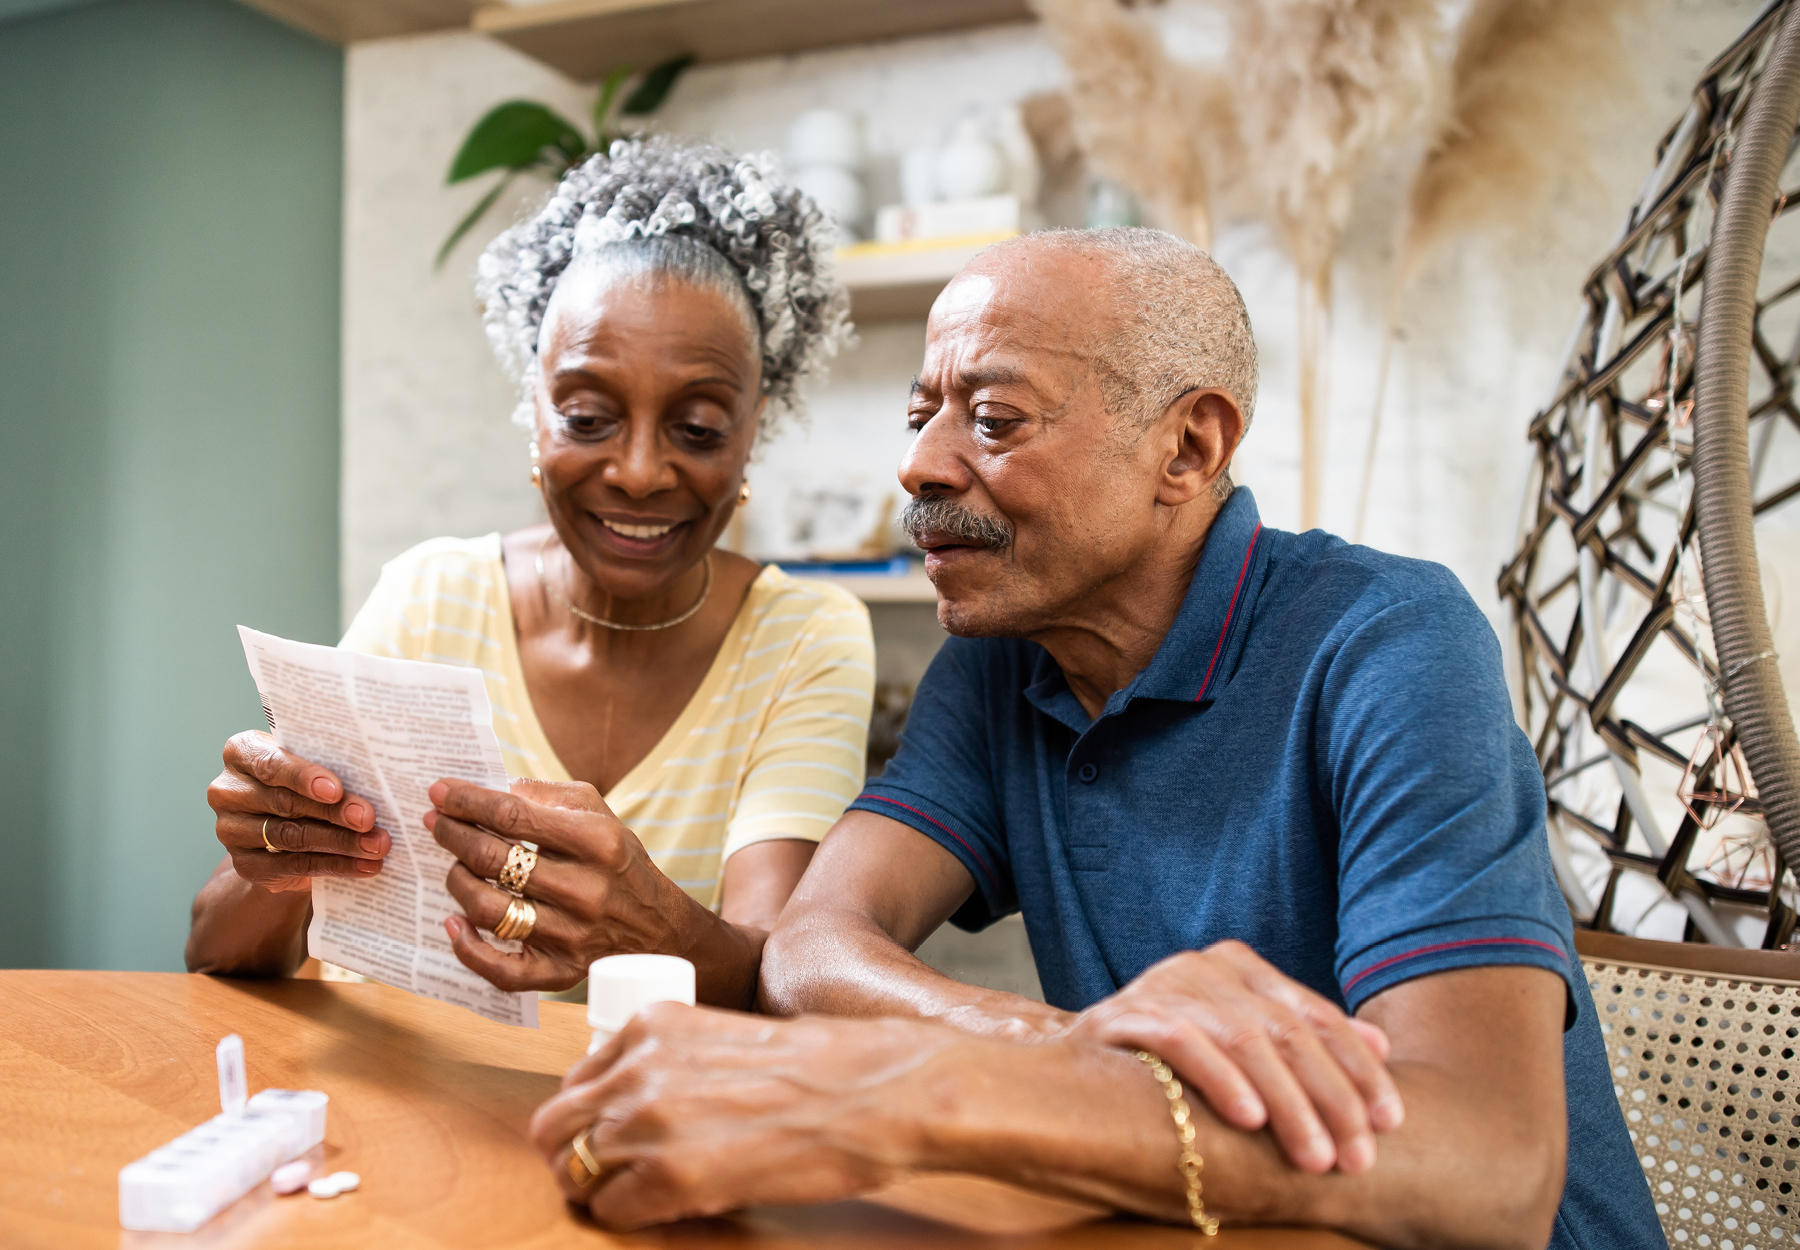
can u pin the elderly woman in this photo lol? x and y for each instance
(662, 310)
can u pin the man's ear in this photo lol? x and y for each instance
(1201, 431)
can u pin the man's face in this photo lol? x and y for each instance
(1029, 497)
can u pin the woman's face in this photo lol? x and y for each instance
(647, 406)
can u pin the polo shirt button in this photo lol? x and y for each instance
(1087, 772)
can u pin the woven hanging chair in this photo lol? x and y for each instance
(1647, 672)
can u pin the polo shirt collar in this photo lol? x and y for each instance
(1199, 651)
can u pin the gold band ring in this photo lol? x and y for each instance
(273, 849)
(583, 1169)
(519, 920)
(516, 872)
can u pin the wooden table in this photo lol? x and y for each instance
(429, 1103)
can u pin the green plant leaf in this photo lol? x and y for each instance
(655, 87)
(468, 223)
(515, 136)
(603, 105)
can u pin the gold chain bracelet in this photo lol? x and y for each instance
(1190, 1164)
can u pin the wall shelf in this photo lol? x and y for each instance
(584, 39)
(878, 588)
(899, 281)
(346, 21)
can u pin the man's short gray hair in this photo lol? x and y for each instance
(694, 211)
(1179, 323)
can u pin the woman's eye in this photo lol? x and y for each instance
(701, 435)
(585, 424)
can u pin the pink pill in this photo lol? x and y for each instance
(291, 1178)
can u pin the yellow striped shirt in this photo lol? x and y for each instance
(771, 745)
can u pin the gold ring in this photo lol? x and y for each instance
(519, 920)
(273, 849)
(583, 1169)
(516, 872)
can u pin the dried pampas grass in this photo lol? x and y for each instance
(1143, 120)
(1322, 86)
(1523, 69)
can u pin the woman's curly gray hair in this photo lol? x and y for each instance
(659, 193)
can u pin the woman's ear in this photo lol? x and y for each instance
(1204, 426)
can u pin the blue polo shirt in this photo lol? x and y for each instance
(1320, 761)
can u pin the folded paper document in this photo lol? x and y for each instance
(389, 729)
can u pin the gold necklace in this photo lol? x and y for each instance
(550, 590)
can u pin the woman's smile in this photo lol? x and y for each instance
(637, 538)
(637, 531)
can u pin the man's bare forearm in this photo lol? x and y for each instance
(844, 944)
(240, 929)
(840, 963)
(1450, 1176)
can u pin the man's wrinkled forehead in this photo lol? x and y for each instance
(1020, 309)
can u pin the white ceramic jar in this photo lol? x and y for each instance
(825, 137)
(969, 165)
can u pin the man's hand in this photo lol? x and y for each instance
(693, 1112)
(1262, 1049)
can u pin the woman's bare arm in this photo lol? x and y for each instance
(243, 930)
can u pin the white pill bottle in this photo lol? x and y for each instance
(619, 986)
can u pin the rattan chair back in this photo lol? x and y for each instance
(1702, 1042)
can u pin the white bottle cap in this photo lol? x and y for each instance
(620, 985)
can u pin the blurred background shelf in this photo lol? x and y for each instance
(348, 21)
(899, 281)
(586, 38)
(879, 588)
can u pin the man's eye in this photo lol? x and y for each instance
(920, 414)
(992, 425)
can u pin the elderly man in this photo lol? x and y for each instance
(1239, 782)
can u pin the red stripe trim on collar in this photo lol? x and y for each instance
(1229, 612)
(1372, 969)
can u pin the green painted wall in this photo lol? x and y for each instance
(170, 201)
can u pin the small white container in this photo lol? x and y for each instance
(970, 166)
(838, 192)
(180, 1186)
(825, 137)
(619, 986)
(918, 177)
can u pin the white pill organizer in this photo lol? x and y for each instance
(178, 1187)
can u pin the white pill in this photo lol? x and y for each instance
(345, 1181)
(291, 1178)
(324, 1187)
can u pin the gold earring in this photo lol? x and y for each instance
(537, 475)
(743, 494)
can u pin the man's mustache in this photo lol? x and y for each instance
(940, 515)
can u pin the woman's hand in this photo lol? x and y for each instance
(322, 831)
(1262, 1049)
(596, 891)
(693, 1112)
